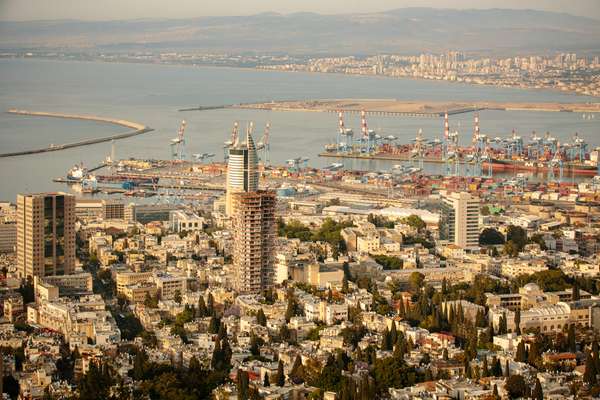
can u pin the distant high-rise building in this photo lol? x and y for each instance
(242, 170)
(253, 223)
(460, 219)
(45, 234)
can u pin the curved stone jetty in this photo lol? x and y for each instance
(138, 130)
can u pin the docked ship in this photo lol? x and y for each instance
(76, 173)
(569, 167)
(132, 180)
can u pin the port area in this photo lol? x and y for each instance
(393, 107)
(138, 129)
(147, 178)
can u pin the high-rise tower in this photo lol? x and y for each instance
(45, 234)
(242, 170)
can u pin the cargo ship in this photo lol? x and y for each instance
(571, 168)
(132, 180)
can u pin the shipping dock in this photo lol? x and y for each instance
(484, 155)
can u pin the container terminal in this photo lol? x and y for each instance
(483, 156)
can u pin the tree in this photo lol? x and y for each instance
(345, 288)
(517, 235)
(491, 237)
(210, 305)
(266, 382)
(416, 281)
(589, 376)
(254, 345)
(485, 370)
(516, 386)
(177, 297)
(346, 269)
(415, 222)
(533, 355)
(521, 355)
(242, 385)
(291, 306)
(214, 325)
(517, 321)
(201, 310)
(386, 343)
(261, 318)
(495, 394)
(537, 393)
(511, 249)
(571, 339)
(297, 372)
(280, 374)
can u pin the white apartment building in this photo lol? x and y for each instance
(460, 219)
(182, 221)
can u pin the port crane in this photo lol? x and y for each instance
(418, 150)
(231, 142)
(556, 163)
(178, 143)
(264, 145)
(297, 163)
(203, 156)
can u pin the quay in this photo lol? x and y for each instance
(138, 130)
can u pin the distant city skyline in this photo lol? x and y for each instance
(23, 10)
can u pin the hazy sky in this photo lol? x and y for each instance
(130, 9)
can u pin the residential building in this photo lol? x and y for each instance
(8, 237)
(182, 221)
(460, 219)
(45, 234)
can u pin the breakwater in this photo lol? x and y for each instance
(138, 129)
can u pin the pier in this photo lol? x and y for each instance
(138, 130)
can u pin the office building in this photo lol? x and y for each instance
(253, 222)
(45, 234)
(460, 220)
(242, 171)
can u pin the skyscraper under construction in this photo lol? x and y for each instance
(252, 213)
(253, 223)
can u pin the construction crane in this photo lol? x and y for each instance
(264, 145)
(231, 142)
(178, 144)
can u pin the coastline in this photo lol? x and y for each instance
(266, 70)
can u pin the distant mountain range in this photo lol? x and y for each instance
(407, 30)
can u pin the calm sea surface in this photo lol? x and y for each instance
(151, 94)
